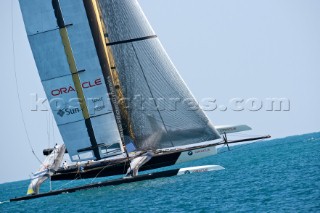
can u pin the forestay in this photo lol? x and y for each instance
(68, 65)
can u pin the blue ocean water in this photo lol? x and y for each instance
(281, 175)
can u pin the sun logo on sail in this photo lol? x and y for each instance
(68, 111)
(61, 113)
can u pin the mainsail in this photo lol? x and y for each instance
(162, 111)
(87, 51)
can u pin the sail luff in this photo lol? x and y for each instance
(125, 119)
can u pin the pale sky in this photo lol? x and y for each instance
(223, 49)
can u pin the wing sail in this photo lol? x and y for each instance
(68, 65)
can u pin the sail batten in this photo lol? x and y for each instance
(131, 40)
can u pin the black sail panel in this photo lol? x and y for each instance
(162, 110)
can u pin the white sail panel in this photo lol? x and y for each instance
(76, 133)
(53, 67)
(80, 36)
(69, 69)
(49, 54)
(107, 135)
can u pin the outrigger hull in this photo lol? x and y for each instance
(139, 178)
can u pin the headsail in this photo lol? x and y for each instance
(162, 111)
(68, 65)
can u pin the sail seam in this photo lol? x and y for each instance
(96, 116)
(131, 40)
(47, 31)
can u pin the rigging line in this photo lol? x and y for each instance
(16, 81)
(100, 172)
(68, 183)
(48, 128)
(238, 147)
(145, 78)
(53, 135)
(125, 167)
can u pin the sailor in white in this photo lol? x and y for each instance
(65, 165)
(137, 162)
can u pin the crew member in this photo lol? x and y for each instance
(65, 165)
(137, 162)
